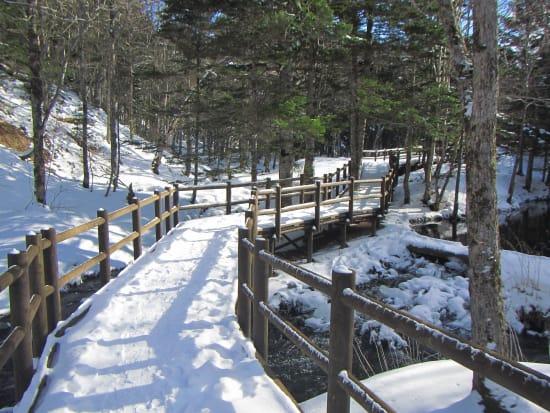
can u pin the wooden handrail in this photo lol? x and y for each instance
(79, 229)
(345, 301)
(34, 283)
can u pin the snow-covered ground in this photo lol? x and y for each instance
(163, 337)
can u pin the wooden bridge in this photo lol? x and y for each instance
(336, 200)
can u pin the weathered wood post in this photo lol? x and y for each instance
(176, 203)
(228, 198)
(167, 221)
(351, 200)
(252, 215)
(243, 303)
(20, 318)
(37, 282)
(309, 243)
(268, 196)
(51, 277)
(260, 283)
(103, 247)
(318, 205)
(337, 189)
(136, 227)
(325, 189)
(383, 194)
(158, 215)
(341, 340)
(344, 234)
(278, 208)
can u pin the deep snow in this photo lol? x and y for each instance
(184, 289)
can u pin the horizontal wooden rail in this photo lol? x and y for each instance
(9, 276)
(367, 399)
(300, 340)
(79, 229)
(80, 269)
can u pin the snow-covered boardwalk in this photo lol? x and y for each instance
(161, 337)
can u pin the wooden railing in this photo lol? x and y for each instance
(35, 284)
(255, 265)
(416, 151)
(348, 192)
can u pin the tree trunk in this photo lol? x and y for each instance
(111, 101)
(428, 172)
(531, 164)
(454, 218)
(286, 160)
(406, 187)
(254, 157)
(83, 96)
(486, 304)
(37, 99)
(357, 124)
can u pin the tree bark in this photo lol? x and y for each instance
(428, 172)
(111, 101)
(486, 304)
(37, 100)
(83, 95)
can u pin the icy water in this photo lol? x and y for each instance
(527, 230)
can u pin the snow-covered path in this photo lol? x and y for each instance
(162, 336)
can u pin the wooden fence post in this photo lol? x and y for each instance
(20, 318)
(351, 200)
(103, 246)
(337, 189)
(383, 195)
(260, 284)
(228, 198)
(318, 205)
(252, 222)
(167, 221)
(51, 277)
(309, 243)
(341, 340)
(243, 303)
(158, 214)
(268, 196)
(36, 284)
(176, 202)
(278, 207)
(136, 227)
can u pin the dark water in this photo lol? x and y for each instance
(527, 230)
